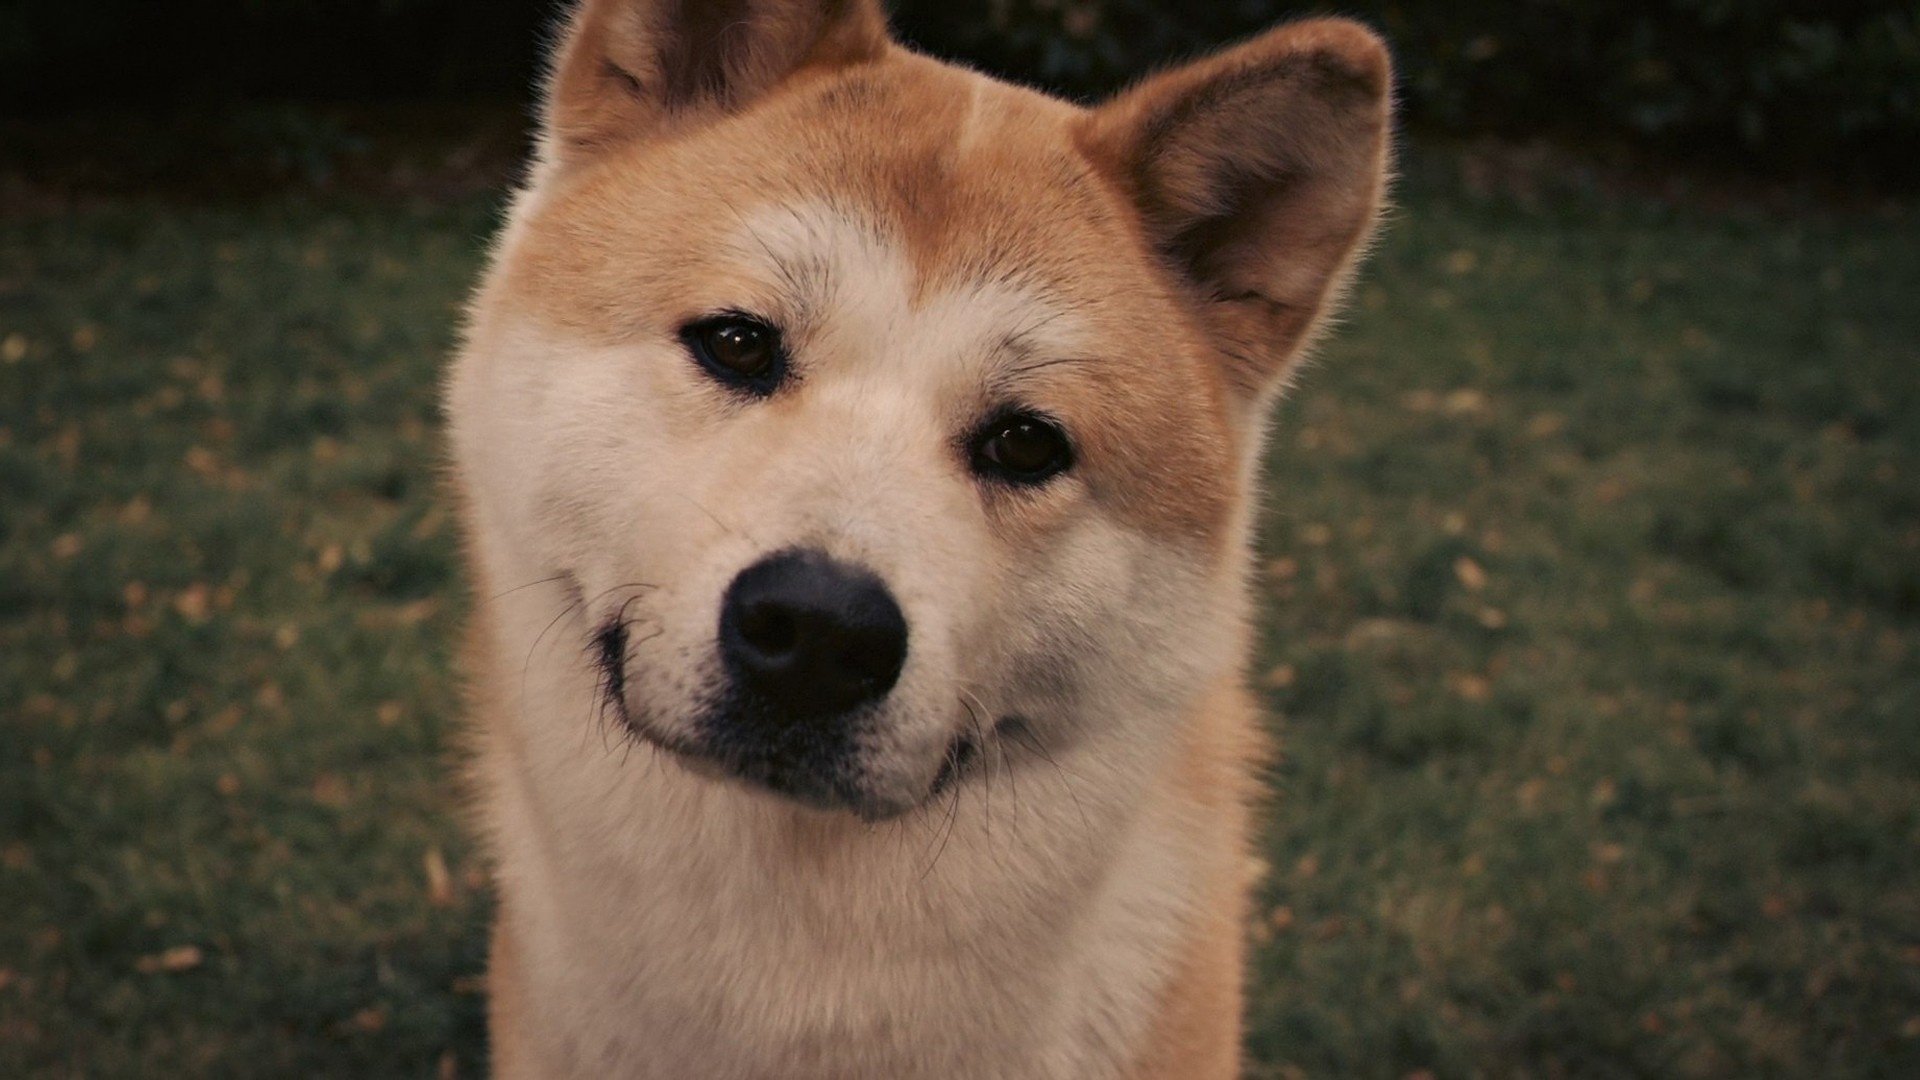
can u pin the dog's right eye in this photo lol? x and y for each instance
(1021, 448)
(739, 350)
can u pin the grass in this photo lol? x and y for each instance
(1592, 572)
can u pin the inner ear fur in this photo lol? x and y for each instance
(627, 69)
(1258, 175)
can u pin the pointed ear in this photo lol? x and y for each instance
(1258, 174)
(628, 69)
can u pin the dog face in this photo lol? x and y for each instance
(878, 415)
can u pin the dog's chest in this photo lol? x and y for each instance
(698, 951)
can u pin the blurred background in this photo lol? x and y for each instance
(1590, 574)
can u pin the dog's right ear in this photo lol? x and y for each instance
(631, 69)
(1258, 174)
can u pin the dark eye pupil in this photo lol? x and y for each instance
(1026, 449)
(1024, 445)
(741, 352)
(741, 346)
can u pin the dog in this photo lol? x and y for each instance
(857, 459)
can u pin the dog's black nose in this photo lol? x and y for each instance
(810, 636)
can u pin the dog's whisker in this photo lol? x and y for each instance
(941, 830)
(522, 588)
(526, 666)
(1061, 361)
(1013, 781)
(715, 518)
(1032, 742)
(983, 752)
(946, 834)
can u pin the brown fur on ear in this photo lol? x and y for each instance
(632, 68)
(1258, 174)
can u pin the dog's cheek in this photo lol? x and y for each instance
(1115, 624)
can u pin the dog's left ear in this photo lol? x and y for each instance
(628, 70)
(1258, 175)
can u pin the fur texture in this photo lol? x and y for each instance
(933, 246)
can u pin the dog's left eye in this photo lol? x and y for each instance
(739, 350)
(1021, 448)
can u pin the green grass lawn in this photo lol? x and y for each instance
(1591, 571)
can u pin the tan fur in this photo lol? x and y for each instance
(1196, 1033)
(506, 1013)
(932, 245)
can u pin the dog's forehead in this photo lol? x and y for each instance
(972, 182)
(975, 180)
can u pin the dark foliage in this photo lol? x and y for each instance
(1800, 84)
(1794, 83)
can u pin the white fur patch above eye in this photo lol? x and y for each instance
(858, 302)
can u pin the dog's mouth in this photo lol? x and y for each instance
(801, 770)
(960, 759)
(609, 648)
(610, 653)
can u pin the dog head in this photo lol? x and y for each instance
(876, 411)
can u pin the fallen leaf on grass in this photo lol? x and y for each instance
(1546, 425)
(1472, 577)
(170, 961)
(193, 602)
(1470, 687)
(1529, 792)
(330, 558)
(225, 720)
(439, 881)
(330, 791)
(202, 461)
